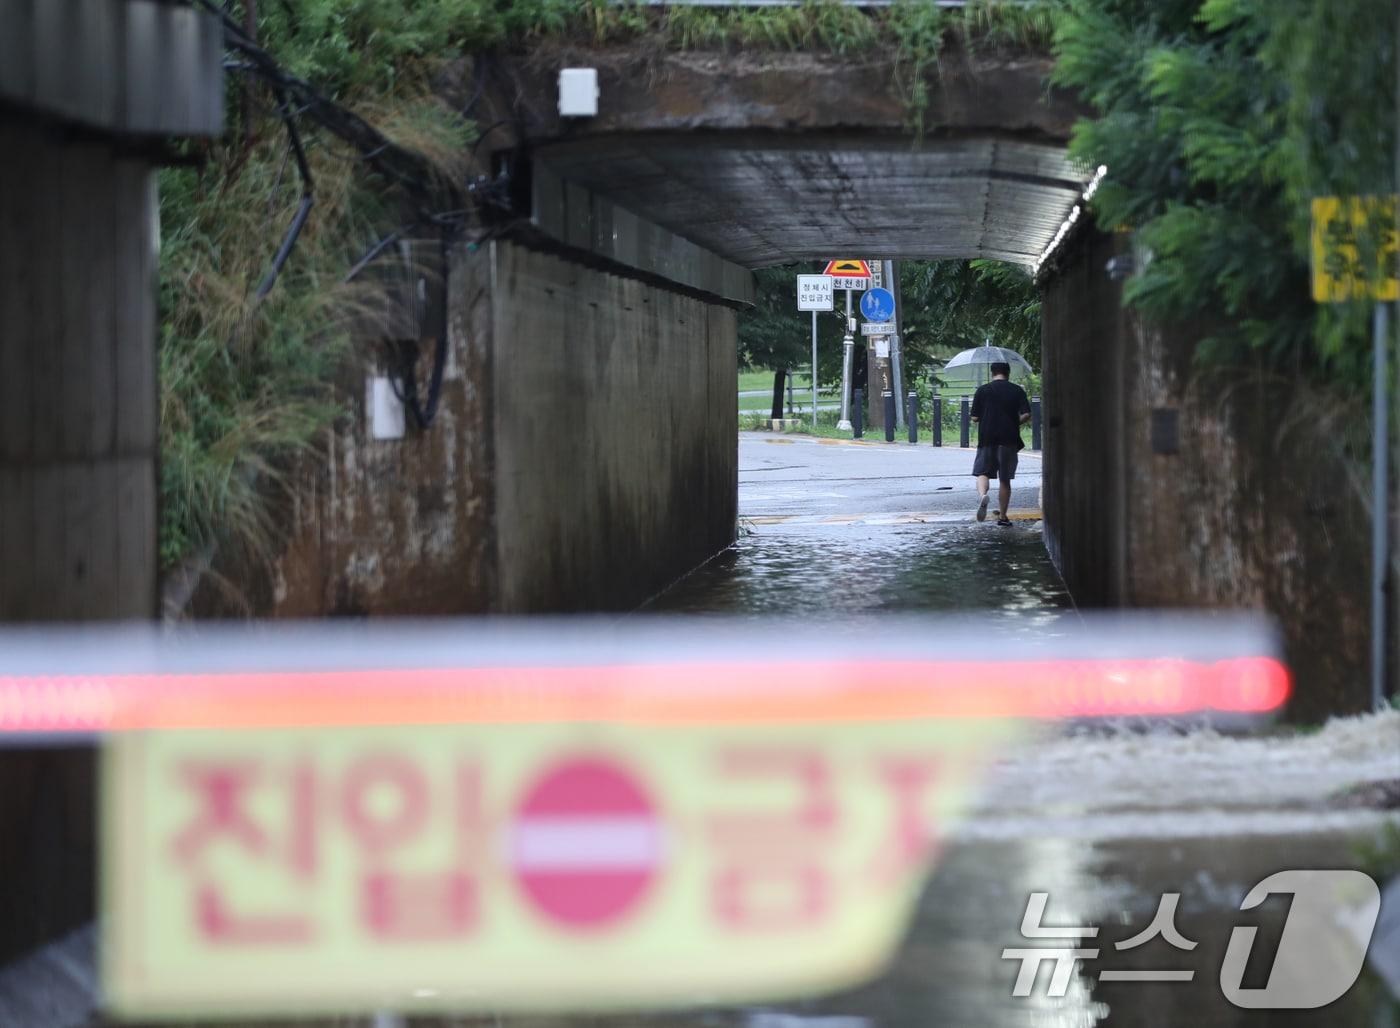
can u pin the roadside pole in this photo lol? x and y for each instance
(1339, 275)
(814, 293)
(896, 339)
(848, 345)
(1380, 492)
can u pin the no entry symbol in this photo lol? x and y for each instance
(585, 844)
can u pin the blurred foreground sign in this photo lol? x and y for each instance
(529, 866)
(1354, 249)
(557, 816)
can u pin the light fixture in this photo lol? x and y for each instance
(1069, 222)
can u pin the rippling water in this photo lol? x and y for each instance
(1105, 819)
(839, 571)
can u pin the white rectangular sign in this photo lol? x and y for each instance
(877, 328)
(815, 293)
(850, 282)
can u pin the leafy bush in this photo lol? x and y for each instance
(1218, 121)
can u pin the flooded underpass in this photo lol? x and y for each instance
(1112, 823)
(1107, 873)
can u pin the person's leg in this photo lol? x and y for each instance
(1006, 465)
(984, 466)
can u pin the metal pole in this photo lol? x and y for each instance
(1380, 493)
(937, 420)
(814, 369)
(1395, 188)
(858, 415)
(896, 340)
(791, 411)
(848, 345)
(965, 435)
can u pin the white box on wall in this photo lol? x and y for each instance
(578, 92)
(386, 413)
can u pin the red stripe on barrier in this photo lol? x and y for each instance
(728, 692)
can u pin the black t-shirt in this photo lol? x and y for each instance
(999, 405)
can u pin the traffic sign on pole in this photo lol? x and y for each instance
(848, 274)
(877, 305)
(815, 293)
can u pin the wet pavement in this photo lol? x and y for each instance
(1105, 820)
(837, 530)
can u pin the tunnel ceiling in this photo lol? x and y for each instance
(760, 200)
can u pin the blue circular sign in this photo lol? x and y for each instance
(877, 304)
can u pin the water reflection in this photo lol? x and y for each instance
(1151, 814)
(841, 571)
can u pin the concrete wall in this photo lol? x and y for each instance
(616, 431)
(391, 526)
(583, 457)
(77, 469)
(1247, 507)
(1082, 429)
(77, 380)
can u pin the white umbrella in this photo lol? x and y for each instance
(974, 363)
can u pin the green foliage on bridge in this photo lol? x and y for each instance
(1218, 121)
(247, 387)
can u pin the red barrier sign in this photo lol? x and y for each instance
(587, 843)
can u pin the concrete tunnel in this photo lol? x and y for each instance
(587, 412)
(619, 274)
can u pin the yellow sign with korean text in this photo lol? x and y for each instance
(1354, 249)
(527, 866)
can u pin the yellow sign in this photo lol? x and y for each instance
(536, 866)
(848, 269)
(1354, 249)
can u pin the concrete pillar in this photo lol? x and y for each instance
(77, 381)
(77, 470)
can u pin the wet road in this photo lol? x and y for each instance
(1104, 820)
(836, 530)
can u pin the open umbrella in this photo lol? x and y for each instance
(974, 363)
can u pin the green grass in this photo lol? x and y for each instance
(827, 419)
(800, 397)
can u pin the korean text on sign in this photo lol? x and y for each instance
(501, 862)
(814, 293)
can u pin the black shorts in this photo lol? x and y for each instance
(996, 462)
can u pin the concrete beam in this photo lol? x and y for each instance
(763, 198)
(585, 222)
(768, 158)
(125, 67)
(981, 91)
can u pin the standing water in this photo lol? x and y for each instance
(1107, 821)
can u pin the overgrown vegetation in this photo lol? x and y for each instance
(247, 386)
(1219, 120)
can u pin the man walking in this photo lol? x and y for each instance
(1000, 408)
